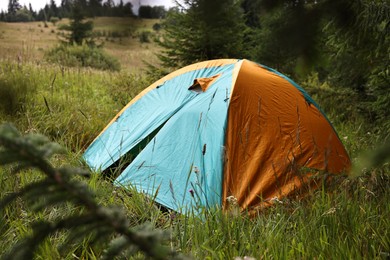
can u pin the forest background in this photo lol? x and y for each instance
(66, 70)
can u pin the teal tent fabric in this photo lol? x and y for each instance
(182, 164)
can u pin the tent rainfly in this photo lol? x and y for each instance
(220, 130)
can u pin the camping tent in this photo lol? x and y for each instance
(220, 129)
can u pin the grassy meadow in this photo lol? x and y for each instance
(27, 42)
(348, 220)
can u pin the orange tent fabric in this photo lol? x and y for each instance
(273, 132)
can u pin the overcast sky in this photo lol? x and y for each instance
(38, 4)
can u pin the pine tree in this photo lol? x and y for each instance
(32, 12)
(13, 7)
(108, 7)
(80, 30)
(347, 41)
(359, 56)
(65, 8)
(128, 10)
(285, 33)
(53, 11)
(95, 7)
(202, 30)
(145, 11)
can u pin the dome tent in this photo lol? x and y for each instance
(218, 129)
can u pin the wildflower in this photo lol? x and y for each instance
(276, 199)
(191, 192)
(330, 211)
(232, 200)
(244, 258)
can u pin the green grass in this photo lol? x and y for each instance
(325, 229)
(71, 106)
(348, 220)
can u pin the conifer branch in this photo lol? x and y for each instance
(59, 186)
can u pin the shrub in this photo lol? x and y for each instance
(62, 27)
(82, 56)
(157, 27)
(54, 20)
(144, 37)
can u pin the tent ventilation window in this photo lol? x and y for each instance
(202, 84)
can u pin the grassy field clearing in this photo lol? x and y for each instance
(72, 105)
(120, 36)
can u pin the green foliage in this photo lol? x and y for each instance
(359, 57)
(346, 42)
(80, 30)
(288, 34)
(22, 15)
(13, 7)
(151, 12)
(115, 32)
(69, 105)
(144, 36)
(2, 16)
(157, 27)
(82, 56)
(19, 14)
(203, 30)
(125, 86)
(102, 225)
(271, 42)
(16, 88)
(54, 20)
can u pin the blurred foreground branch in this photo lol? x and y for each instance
(105, 224)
